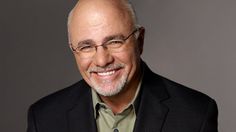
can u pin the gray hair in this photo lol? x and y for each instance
(129, 7)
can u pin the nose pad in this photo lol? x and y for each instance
(102, 57)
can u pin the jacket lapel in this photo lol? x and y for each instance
(152, 111)
(81, 117)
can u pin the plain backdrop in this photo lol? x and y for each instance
(189, 41)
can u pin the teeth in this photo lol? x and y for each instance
(106, 73)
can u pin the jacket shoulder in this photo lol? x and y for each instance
(162, 85)
(62, 99)
(184, 93)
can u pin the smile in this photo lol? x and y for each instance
(108, 73)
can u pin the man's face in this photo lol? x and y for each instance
(107, 72)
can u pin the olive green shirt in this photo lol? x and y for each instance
(108, 122)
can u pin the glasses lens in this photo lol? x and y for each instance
(85, 55)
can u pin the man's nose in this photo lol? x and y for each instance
(102, 57)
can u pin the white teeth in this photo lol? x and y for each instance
(106, 73)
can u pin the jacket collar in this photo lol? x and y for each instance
(80, 116)
(152, 111)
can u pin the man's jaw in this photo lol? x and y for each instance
(108, 83)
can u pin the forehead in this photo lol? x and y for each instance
(98, 18)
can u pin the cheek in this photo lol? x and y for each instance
(126, 57)
(82, 65)
(130, 58)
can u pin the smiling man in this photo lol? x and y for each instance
(118, 91)
(102, 37)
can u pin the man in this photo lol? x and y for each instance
(118, 92)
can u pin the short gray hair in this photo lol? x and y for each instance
(129, 7)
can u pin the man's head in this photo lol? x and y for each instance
(106, 43)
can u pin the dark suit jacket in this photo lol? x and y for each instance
(163, 106)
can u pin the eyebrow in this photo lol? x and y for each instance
(87, 41)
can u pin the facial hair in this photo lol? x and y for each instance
(108, 87)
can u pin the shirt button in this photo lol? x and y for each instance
(116, 130)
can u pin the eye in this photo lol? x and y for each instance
(85, 48)
(114, 43)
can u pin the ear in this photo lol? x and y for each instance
(140, 39)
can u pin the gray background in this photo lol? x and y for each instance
(189, 41)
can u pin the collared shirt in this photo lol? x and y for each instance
(108, 122)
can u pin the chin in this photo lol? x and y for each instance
(107, 89)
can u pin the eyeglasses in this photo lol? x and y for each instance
(87, 49)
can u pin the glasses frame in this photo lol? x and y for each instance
(104, 44)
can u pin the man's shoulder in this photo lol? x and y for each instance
(62, 99)
(177, 90)
(174, 93)
(181, 104)
(182, 96)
